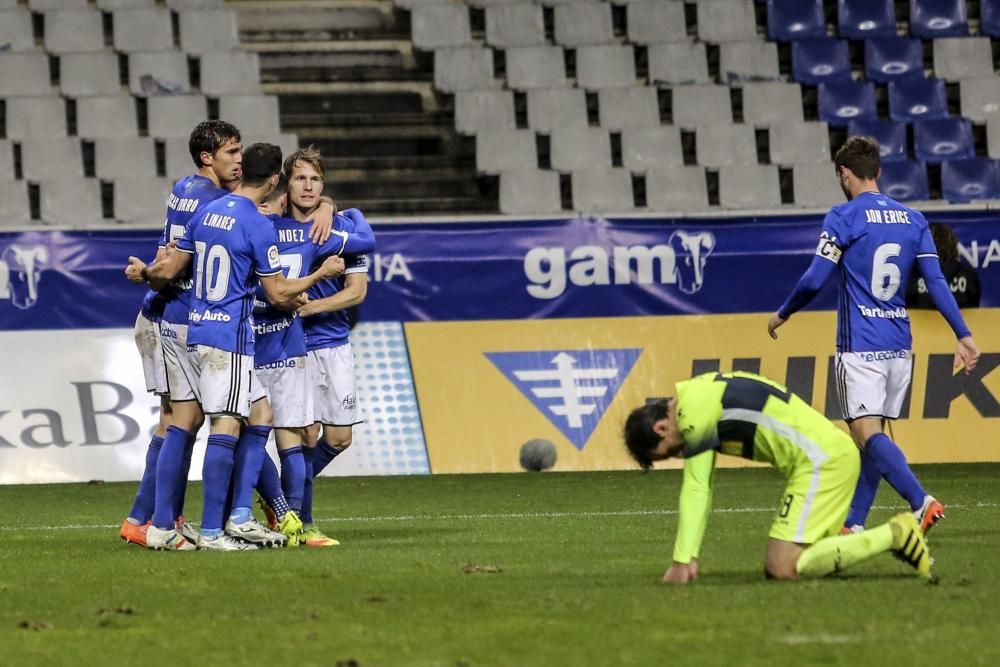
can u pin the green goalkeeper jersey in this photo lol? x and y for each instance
(745, 415)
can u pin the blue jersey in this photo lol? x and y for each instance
(875, 241)
(188, 196)
(152, 305)
(332, 329)
(231, 244)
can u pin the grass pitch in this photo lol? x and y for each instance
(541, 569)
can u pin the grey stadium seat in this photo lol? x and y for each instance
(111, 116)
(210, 30)
(701, 105)
(194, 4)
(169, 69)
(723, 145)
(535, 67)
(148, 29)
(124, 4)
(726, 21)
(602, 190)
(124, 157)
(484, 110)
(636, 106)
(178, 158)
(678, 64)
(176, 115)
(36, 117)
(980, 98)
(529, 192)
(14, 208)
(553, 108)
(575, 148)
(772, 103)
(515, 24)
(16, 31)
(646, 148)
(230, 73)
(463, 68)
(815, 186)
(747, 187)
(676, 190)
(72, 202)
(252, 114)
(992, 137)
(83, 74)
(6, 160)
(434, 26)
(24, 74)
(503, 150)
(55, 5)
(748, 61)
(47, 157)
(800, 143)
(140, 201)
(74, 31)
(288, 142)
(605, 66)
(957, 58)
(583, 23)
(656, 22)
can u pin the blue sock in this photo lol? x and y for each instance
(293, 475)
(891, 463)
(307, 486)
(180, 493)
(216, 473)
(145, 497)
(324, 454)
(168, 469)
(269, 488)
(864, 492)
(250, 454)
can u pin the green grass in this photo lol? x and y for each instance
(579, 558)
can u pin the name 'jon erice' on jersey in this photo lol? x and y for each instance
(231, 244)
(186, 198)
(875, 241)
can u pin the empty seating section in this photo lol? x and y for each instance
(817, 61)
(965, 180)
(890, 58)
(864, 19)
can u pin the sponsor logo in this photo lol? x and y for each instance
(350, 401)
(168, 332)
(284, 363)
(572, 388)
(272, 327)
(209, 316)
(894, 314)
(273, 257)
(884, 355)
(21, 267)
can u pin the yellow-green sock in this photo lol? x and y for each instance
(840, 552)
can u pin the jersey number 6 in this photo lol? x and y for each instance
(885, 274)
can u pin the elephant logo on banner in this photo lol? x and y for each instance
(21, 269)
(691, 250)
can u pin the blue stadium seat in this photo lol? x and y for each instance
(905, 180)
(791, 20)
(938, 18)
(939, 139)
(890, 135)
(890, 58)
(840, 102)
(913, 99)
(989, 17)
(864, 19)
(974, 178)
(815, 61)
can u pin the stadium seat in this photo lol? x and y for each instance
(724, 145)
(636, 106)
(678, 64)
(957, 58)
(208, 30)
(15, 210)
(772, 103)
(55, 5)
(701, 105)
(288, 142)
(83, 74)
(583, 23)
(124, 4)
(973, 178)
(939, 139)
(864, 19)
(140, 201)
(842, 101)
(517, 24)
(193, 4)
(609, 66)
(111, 116)
(434, 26)
(529, 192)
(655, 22)
(158, 72)
(575, 148)
(484, 110)
(905, 180)
(146, 29)
(36, 117)
(230, 73)
(930, 19)
(16, 31)
(726, 21)
(673, 189)
(979, 98)
(890, 135)
(177, 157)
(646, 148)
(463, 68)
(749, 187)
(175, 115)
(793, 20)
(124, 157)
(74, 31)
(24, 74)
(253, 114)
(816, 61)
(504, 150)
(993, 137)
(553, 108)
(602, 190)
(748, 61)
(891, 58)
(815, 186)
(535, 67)
(800, 143)
(989, 17)
(75, 202)
(913, 99)
(6, 160)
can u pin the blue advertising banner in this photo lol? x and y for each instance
(588, 267)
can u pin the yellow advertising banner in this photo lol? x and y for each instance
(485, 388)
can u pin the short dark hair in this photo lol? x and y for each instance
(861, 155)
(640, 438)
(260, 162)
(210, 136)
(279, 189)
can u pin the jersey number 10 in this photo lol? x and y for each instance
(212, 271)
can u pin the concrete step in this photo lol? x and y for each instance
(358, 89)
(425, 206)
(318, 19)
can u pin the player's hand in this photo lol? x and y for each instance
(966, 354)
(678, 573)
(773, 324)
(332, 267)
(310, 307)
(693, 568)
(319, 232)
(134, 270)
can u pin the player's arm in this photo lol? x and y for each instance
(966, 353)
(160, 272)
(694, 508)
(284, 292)
(323, 217)
(352, 235)
(354, 292)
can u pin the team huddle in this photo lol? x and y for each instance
(247, 323)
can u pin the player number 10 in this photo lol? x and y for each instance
(885, 274)
(212, 271)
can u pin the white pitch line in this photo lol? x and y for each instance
(507, 515)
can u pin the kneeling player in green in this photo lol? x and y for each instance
(746, 415)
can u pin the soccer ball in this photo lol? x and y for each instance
(538, 455)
